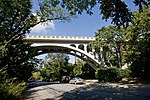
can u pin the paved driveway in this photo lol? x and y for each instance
(96, 91)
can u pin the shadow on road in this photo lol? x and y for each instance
(96, 91)
(40, 86)
(109, 92)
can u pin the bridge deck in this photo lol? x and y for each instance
(57, 39)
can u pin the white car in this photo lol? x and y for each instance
(76, 80)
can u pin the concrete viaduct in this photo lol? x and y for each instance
(76, 46)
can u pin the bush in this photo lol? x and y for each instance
(111, 74)
(124, 73)
(10, 90)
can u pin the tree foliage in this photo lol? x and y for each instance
(117, 10)
(129, 45)
(77, 70)
(109, 45)
(16, 56)
(55, 66)
(12, 90)
(16, 20)
(138, 35)
(112, 74)
(88, 72)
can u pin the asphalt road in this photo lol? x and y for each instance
(95, 91)
(50, 92)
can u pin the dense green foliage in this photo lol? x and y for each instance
(16, 19)
(138, 49)
(111, 74)
(128, 46)
(16, 56)
(10, 90)
(88, 72)
(77, 70)
(109, 45)
(55, 66)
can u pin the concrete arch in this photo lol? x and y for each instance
(81, 46)
(73, 45)
(73, 54)
(89, 49)
(67, 49)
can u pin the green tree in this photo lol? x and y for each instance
(55, 66)
(138, 35)
(15, 55)
(88, 72)
(16, 20)
(117, 10)
(78, 67)
(109, 45)
(36, 75)
(129, 45)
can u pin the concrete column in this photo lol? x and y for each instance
(77, 45)
(85, 47)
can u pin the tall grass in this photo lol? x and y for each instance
(10, 90)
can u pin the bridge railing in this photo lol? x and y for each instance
(59, 37)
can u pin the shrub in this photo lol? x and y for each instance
(111, 74)
(10, 90)
(124, 73)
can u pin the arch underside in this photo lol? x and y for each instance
(68, 50)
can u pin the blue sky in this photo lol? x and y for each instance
(84, 25)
